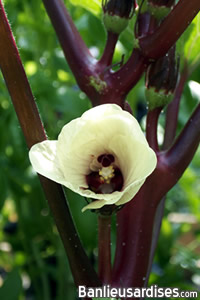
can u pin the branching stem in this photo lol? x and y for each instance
(107, 56)
(24, 104)
(157, 44)
(151, 128)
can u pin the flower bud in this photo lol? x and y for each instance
(161, 79)
(160, 8)
(117, 14)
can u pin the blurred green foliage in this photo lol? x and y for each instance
(33, 263)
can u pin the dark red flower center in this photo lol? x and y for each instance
(106, 159)
(108, 179)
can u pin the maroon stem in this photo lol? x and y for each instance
(136, 219)
(107, 56)
(18, 85)
(76, 52)
(134, 233)
(82, 270)
(104, 243)
(186, 157)
(154, 45)
(123, 80)
(172, 111)
(108, 87)
(181, 153)
(158, 43)
(24, 104)
(170, 132)
(156, 233)
(151, 128)
(135, 226)
(187, 144)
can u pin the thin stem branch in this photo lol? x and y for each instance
(177, 159)
(18, 86)
(104, 260)
(108, 87)
(153, 46)
(182, 151)
(156, 233)
(151, 128)
(173, 109)
(134, 233)
(76, 52)
(24, 104)
(136, 221)
(107, 56)
(158, 43)
(124, 79)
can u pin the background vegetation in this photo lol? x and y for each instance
(33, 263)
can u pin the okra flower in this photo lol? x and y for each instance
(103, 155)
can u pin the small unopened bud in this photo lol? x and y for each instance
(161, 79)
(160, 8)
(117, 14)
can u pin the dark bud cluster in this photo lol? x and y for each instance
(121, 8)
(161, 79)
(162, 74)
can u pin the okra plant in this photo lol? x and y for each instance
(123, 172)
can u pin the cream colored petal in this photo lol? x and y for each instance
(94, 205)
(90, 135)
(136, 160)
(130, 192)
(109, 198)
(103, 129)
(44, 162)
(101, 111)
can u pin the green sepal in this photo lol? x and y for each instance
(114, 23)
(159, 12)
(157, 99)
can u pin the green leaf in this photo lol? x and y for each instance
(12, 286)
(94, 6)
(192, 46)
(189, 43)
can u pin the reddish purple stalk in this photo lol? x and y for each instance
(152, 128)
(115, 86)
(136, 219)
(158, 43)
(104, 245)
(182, 151)
(32, 128)
(106, 59)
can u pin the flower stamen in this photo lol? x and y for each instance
(106, 174)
